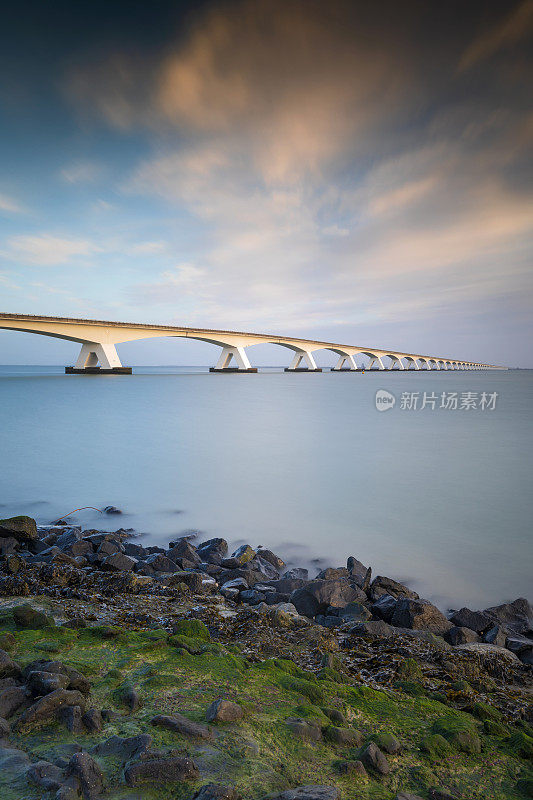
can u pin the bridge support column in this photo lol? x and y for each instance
(305, 357)
(396, 362)
(376, 360)
(345, 359)
(238, 354)
(98, 358)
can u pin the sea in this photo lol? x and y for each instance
(424, 476)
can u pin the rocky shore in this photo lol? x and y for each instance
(131, 672)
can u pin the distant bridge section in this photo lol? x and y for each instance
(98, 352)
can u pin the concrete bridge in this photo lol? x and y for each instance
(98, 353)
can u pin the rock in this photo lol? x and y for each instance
(92, 720)
(5, 728)
(316, 596)
(243, 554)
(252, 597)
(8, 545)
(46, 775)
(70, 789)
(13, 564)
(266, 569)
(124, 748)
(354, 768)
(118, 562)
(487, 650)
(296, 573)
(161, 770)
(522, 646)
(107, 548)
(112, 510)
(70, 716)
(420, 615)
(212, 549)
(40, 682)
(236, 583)
(22, 528)
(373, 757)
(304, 729)
(11, 699)
(76, 679)
(345, 737)
(517, 615)
(44, 709)
(476, 621)
(224, 711)
(27, 617)
(215, 791)
(311, 792)
(388, 742)
(459, 734)
(384, 607)
(496, 635)
(88, 773)
(458, 635)
(331, 573)
(180, 724)
(161, 563)
(360, 574)
(354, 612)
(8, 667)
(376, 628)
(272, 558)
(335, 716)
(382, 585)
(183, 549)
(13, 763)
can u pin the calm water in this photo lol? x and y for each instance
(303, 463)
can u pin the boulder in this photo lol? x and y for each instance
(518, 615)
(304, 729)
(85, 769)
(5, 728)
(377, 628)
(522, 646)
(213, 549)
(11, 699)
(161, 563)
(112, 510)
(180, 724)
(122, 748)
(476, 621)
(388, 742)
(490, 650)
(264, 567)
(224, 711)
(41, 712)
(354, 612)
(243, 554)
(13, 763)
(420, 615)
(8, 667)
(359, 573)
(316, 596)
(76, 679)
(40, 682)
(252, 597)
(22, 528)
(382, 585)
(71, 718)
(27, 617)
(496, 635)
(118, 562)
(183, 549)
(330, 573)
(216, 791)
(373, 758)
(296, 573)
(457, 635)
(311, 792)
(272, 558)
(46, 775)
(92, 720)
(346, 737)
(161, 770)
(384, 607)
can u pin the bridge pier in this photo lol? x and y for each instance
(305, 357)
(98, 358)
(343, 359)
(238, 354)
(375, 360)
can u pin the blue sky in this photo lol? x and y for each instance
(351, 172)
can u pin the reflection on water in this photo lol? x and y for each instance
(302, 463)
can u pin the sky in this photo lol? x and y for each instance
(345, 171)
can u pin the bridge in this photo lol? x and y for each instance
(98, 352)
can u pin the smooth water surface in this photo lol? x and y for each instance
(302, 463)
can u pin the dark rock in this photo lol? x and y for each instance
(458, 635)
(518, 615)
(359, 573)
(355, 768)
(240, 584)
(70, 789)
(296, 573)
(420, 615)
(40, 682)
(71, 718)
(388, 742)
(118, 562)
(264, 567)
(13, 763)
(183, 549)
(354, 612)
(311, 792)
(212, 549)
(124, 748)
(76, 623)
(304, 729)
(107, 548)
(161, 770)
(315, 597)
(272, 558)
(288, 585)
(92, 720)
(273, 598)
(69, 537)
(335, 716)
(5, 728)
(377, 628)
(521, 646)
(223, 711)
(161, 563)
(476, 621)
(135, 550)
(13, 564)
(22, 528)
(27, 617)
(251, 597)
(88, 773)
(496, 635)
(384, 607)
(382, 585)
(44, 709)
(8, 667)
(215, 791)
(373, 757)
(46, 775)
(328, 621)
(11, 699)
(112, 510)
(76, 679)
(8, 545)
(243, 554)
(331, 573)
(180, 724)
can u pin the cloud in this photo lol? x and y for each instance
(82, 172)
(47, 250)
(516, 26)
(8, 205)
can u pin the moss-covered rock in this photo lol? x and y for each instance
(485, 711)
(410, 687)
(22, 528)
(409, 670)
(25, 616)
(435, 746)
(521, 744)
(461, 735)
(192, 628)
